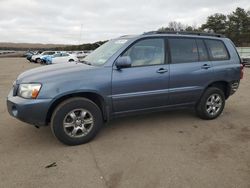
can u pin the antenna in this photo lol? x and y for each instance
(80, 36)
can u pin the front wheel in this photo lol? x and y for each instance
(76, 121)
(211, 103)
(38, 60)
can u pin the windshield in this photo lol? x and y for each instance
(104, 52)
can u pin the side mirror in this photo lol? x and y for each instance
(123, 62)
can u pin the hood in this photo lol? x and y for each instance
(52, 72)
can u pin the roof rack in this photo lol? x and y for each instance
(184, 33)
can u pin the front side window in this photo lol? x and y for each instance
(217, 50)
(57, 55)
(64, 54)
(146, 52)
(183, 50)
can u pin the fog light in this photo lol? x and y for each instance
(14, 111)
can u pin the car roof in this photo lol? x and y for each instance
(175, 34)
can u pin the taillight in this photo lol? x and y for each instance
(241, 71)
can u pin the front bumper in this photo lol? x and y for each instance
(32, 111)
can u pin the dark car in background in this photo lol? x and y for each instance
(29, 55)
(126, 76)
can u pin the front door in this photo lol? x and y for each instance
(144, 85)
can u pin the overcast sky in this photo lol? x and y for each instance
(80, 21)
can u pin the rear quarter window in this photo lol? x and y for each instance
(217, 50)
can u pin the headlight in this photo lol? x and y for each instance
(29, 91)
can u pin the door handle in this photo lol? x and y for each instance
(205, 66)
(162, 70)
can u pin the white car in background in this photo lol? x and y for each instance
(37, 58)
(63, 57)
(82, 54)
(246, 60)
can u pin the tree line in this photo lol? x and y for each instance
(235, 25)
(87, 46)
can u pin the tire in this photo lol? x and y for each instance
(64, 122)
(38, 60)
(208, 107)
(71, 60)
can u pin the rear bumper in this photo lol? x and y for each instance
(32, 111)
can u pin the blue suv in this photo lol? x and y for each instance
(128, 75)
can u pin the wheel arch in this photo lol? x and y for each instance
(223, 85)
(94, 97)
(36, 59)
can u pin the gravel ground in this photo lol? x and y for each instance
(168, 149)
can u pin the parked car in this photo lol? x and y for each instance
(246, 60)
(37, 58)
(62, 57)
(45, 58)
(28, 55)
(82, 54)
(129, 75)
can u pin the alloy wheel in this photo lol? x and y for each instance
(78, 123)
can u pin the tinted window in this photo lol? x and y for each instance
(64, 54)
(49, 53)
(146, 52)
(183, 50)
(203, 56)
(57, 55)
(217, 50)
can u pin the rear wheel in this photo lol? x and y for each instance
(76, 121)
(211, 103)
(71, 60)
(42, 62)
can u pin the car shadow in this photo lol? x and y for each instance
(44, 137)
(149, 121)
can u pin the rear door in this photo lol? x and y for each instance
(190, 70)
(61, 58)
(64, 58)
(56, 58)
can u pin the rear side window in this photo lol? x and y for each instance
(65, 54)
(217, 50)
(203, 56)
(183, 50)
